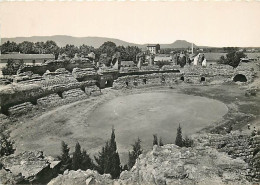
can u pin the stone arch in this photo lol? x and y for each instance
(182, 78)
(203, 79)
(108, 83)
(60, 94)
(240, 78)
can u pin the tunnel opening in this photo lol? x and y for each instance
(109, 83)
(202, 79)
(127, 84)
(240, 78)
(144, 80)
(182, 78)
(60, 94)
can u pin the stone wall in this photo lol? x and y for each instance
(34, 89)
(236, 145)
(56, 64)
(20, 109)
(155, 79)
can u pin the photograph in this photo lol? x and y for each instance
(129, 92)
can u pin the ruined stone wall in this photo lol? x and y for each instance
(147, 80)
(43, 90)
(53, 65)
(237, 145)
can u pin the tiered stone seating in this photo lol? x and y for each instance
(20, 109)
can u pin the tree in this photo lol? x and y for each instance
(86, 161)
(178, 140)
(69, 50)
(155, 139)
(9, 47)
(137, 150)
(160, 142)
(77, 157)
(6, 146)
(27, 47)
(39, 47)
(85, 50)
(12, 67)
(232, 58)
(108, 160)
(51, 47)
(108, 47)
(65, 157)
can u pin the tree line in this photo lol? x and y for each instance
(107, 49)
(107, 161)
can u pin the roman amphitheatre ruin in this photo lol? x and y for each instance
(79, 102)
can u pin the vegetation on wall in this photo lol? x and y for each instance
(12, 67)
(232, 58)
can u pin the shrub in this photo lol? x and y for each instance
(12, 67)
(178, 140)
(137, 150)
(6, 146)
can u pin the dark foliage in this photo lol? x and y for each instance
(6, 146)
(108, 160)
(161, 142)
(12, 67)
(65, 157)
(155, 139)
(232, 58)
(178, 140)
(133, 155)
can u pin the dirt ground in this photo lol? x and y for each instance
(81, 121)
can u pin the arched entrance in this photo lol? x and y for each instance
(182, 78)
(240, 78)
(109, 83)
(202, 79)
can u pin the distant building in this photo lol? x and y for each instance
(153, 48)
(26, 58)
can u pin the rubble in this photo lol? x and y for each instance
(27, 167)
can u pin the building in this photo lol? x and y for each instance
(26, 58)
(153, 48)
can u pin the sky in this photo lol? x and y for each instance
(203, 23)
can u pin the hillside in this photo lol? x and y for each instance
(62, 40)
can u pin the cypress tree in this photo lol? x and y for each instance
(65, 157)
(108, 160)
(155, 139)
(137, 150)
(114, 156)
(77, 157)
(86, 161)
(160, 142)
(178, 140)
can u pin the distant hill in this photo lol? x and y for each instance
(178, 44)
(62, 40)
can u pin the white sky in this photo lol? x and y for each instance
(204, 23)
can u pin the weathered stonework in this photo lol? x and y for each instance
(170, 164)
(28, 168)
(237, 145)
